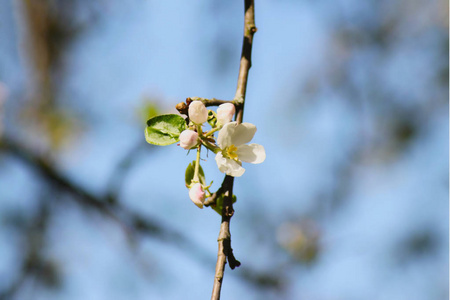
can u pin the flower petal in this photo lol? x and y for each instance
(243, 133)
(229, 166)
(236, 170)
(221, 162)
(253, 153)
(235, 134)
(224, 137)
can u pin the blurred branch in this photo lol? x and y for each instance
(225, 252)
(129, 220)
(118, 175)
(33, 263)
(132, 222)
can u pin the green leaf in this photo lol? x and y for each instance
(164, 130)
(189, 175)
(219, 203)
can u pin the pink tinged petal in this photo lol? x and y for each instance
(253, 153)
(243, 133)
(229, 166)
(188, 139)
(197, 112)
(197, 195)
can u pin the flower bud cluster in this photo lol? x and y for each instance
(190, 138)
(231, 147)
(228, 140)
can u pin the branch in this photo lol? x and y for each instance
(183, 107)
(209, 102)
(224, 248)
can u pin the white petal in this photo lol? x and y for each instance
(236, 170)
(224, 137)
(243, 133)
(234, 134)
(221, 162)
(229, 166)
(253, 153)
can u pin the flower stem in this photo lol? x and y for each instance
(197, 166)
(212, 131)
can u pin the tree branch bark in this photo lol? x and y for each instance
(225, 252)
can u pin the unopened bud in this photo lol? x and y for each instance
(198, 112)
(188, 139)
(225, 113)
(182, 108)
(197, 195)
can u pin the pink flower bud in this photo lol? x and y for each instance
(198, 112)
(188, 139)
(225, 113)
(197, 194)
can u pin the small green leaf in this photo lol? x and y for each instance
(164, 130)
(189, 175)
(219, 203)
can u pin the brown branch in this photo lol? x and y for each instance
(225, 252)
(212, 200)
(210, 102)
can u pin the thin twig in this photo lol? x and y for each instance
(210, 102)
(212, 200)
(224, 248)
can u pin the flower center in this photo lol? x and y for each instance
(230, 152)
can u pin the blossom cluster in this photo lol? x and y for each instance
(231, 147)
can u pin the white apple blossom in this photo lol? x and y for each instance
(225, 113)
(197, 194)
(233, 151)
(198, 112)
(188, 139)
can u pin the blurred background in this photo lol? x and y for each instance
(351, 103)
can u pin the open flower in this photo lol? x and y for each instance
(198, 112)
(197, 194)
(233, 151)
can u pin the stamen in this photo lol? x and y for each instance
(231, 152)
